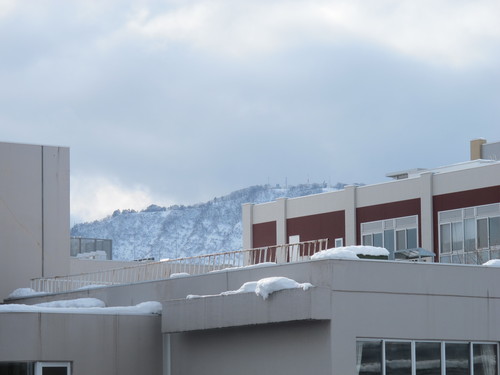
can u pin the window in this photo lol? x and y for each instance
(428, 358)
(470, 235)
(398, 358)
(339, 242)
(35, 368)
(404, 357)
(369, 357)
(393, 234)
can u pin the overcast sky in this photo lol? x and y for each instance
(180, 101)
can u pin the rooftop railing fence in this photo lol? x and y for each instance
(196, 265)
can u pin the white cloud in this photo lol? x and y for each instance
(94, 197)
(6, 7)
(455, 33)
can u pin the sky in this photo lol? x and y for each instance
(178, 102)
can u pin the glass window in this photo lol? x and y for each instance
(398, 358)
(411, 238)
(485, 359)
(428, 358)
(377, 240)
(494, 231)
(457, 233)
(482, 233)
(367, 240)
(389, 242)
(400, 239)
(369, 357)
(445, 236)
(470, 234)
(17, 368)
(457, 359)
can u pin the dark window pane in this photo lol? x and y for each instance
(482, 233)
(457, 359)
(53, 370)
(428, 358)
(470, 234)
(400, 240)
(494, 231)
(16, 368)
(398, 358)
(367, 240)
(369, 357)
(411, 235)
(389, 239)
(377, 240)
(445, 236)
(457, 233)
(485, 359)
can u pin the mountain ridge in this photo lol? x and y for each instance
(184, 231)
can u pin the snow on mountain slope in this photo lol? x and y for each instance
(183, 231)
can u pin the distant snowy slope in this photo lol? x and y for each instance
(183, 231)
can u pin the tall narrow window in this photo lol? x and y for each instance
(457, 359)
(400, 239)
(428, 358)
(494, 227)
(398, 358)
(482, 233)
(411, 238)
(389, 242)
(485, 359)
(369, 357)
(445, 236)
(367, 240)
(457, 233)
(378, 240)
(470, 234)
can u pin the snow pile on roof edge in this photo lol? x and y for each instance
(263, 287)
(492, 263)
(350, 252)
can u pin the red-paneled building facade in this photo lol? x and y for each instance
(453, 211)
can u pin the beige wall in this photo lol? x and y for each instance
(34, 214)
(95, 344)
(462, 177)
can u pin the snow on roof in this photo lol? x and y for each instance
(257, 265)
(179, 274)
(492, 263)
(85, 306)
(263, 287)
(350, 252)
(24, 292)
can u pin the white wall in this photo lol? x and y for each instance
(34, 214)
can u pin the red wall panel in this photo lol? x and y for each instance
(462, 199)
(387, 211)
(264, 234)
(329, 225)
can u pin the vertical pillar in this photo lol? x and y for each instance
(475, 148)
(281, 232)
(426, 212)
(350, 215)
(247, 225)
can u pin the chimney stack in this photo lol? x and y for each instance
(475, 148)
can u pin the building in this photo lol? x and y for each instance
(453, 211)
(356, 316)
(34, 217)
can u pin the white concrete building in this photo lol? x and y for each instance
(358, 317)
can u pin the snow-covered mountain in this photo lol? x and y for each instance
(182, 231)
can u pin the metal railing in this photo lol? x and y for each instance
(192, 265)
(81, 245)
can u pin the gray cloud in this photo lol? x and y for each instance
(191, 100)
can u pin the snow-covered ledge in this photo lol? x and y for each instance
(244, 309)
